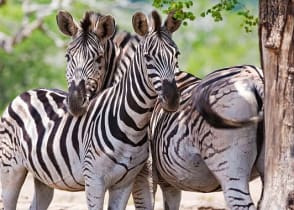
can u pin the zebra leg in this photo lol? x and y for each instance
(171, 196)
(235, 185)
(42, 197)
(234, 181)
(118, 198)
(142, 191)
(12, 180)
(237, 195)
(235, 153)
(95, 192)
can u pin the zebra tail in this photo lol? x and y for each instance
(200, 102)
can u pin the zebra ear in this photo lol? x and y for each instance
(140, 23)
(105, 27)
(66, 23)
(172, 24)
(156, 20)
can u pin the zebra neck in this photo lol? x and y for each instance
(128, 49)
(113, 59)
(138, 96)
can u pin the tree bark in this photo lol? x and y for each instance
(276, 34)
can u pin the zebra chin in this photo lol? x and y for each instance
(77, 99)
(77, 107)
(170, 97)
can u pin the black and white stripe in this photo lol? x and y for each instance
(118, 57)
(89, 57)
(190, 154)
(102, 150)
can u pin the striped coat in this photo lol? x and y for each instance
(106, 147)
(189, 154)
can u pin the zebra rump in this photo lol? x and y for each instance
(202, 104)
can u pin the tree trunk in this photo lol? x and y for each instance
(276, 34)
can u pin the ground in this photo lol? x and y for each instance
(76, 201)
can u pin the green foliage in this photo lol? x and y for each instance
(206, 45)
(216, 11)
(8, 23)
(208, 53)
(178, 7)
(27, 66)
(249, 20)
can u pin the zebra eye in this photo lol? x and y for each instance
(99, 58)
(148, 57)
(67, 57)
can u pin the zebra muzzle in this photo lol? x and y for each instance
(170, 97)
(78, 98)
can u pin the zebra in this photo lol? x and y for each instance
(119, 58)
(87, 57)
(201, 103)
(189, 154)
(92, 60)
(118, 76)
(118, 147)
(184, 80)
(125, 46)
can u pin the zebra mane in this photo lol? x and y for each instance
(89, 21)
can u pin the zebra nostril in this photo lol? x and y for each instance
(93, 87)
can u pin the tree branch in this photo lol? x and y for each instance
(40, 11)
(2, 2)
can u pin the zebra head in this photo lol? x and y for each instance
(160, 54)
(86, 56)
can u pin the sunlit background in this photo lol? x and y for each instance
(38, 60)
